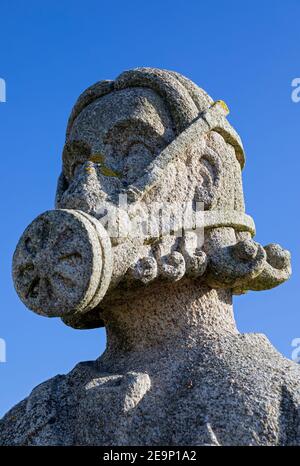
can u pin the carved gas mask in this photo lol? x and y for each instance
(150, 136)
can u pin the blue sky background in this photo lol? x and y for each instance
(246, 53)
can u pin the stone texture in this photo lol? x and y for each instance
(62, 263)
(176, 371)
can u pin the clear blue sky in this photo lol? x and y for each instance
(246, 53)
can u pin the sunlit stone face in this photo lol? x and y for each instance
(114, 139)
(128, 128)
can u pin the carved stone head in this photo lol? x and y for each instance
(150, 189)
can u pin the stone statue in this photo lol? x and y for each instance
(176, 371)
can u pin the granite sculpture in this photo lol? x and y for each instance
(176, 371)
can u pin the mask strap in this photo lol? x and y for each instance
(211, 119)
(228, 218)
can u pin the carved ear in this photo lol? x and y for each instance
(209, 175)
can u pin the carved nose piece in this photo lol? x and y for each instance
(62, 264)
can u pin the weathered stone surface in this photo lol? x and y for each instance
(192, 374)
(159, 274)
(62, 263)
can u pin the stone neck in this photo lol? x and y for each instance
(167, 317)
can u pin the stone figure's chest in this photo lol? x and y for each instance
(135, 410)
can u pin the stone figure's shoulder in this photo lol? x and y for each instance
(254, 353)
(33, 418)
(272, 378)
(45, 416)
(246, 373)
